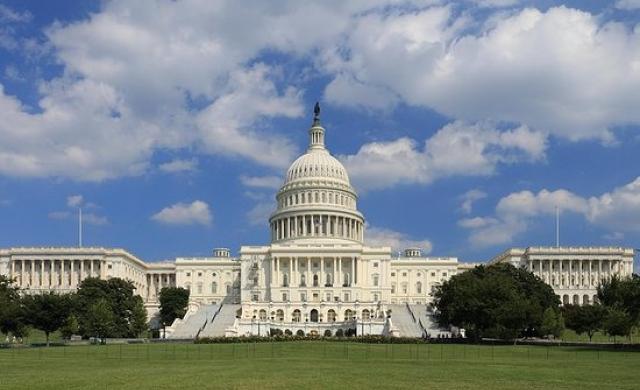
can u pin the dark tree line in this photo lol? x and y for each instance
(99, 308)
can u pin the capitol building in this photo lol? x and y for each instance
(316, 276)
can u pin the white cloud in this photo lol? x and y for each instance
(260, 213)
(195, 213)
(74, 200)
(179, 166)
(456, 149)
(469, 198)
(87, 218)
(268, 182)
(396, 240)
(628, 4)
(495, 3)
(9, 15)
(617, 211)
(543, 69)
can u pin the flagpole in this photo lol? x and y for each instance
(557, 226)
(80, 227)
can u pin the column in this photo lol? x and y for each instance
(355, 271)
(91, 268)
(13, 269)
(340, 272)
(42, 278)
(352, 277)
(290, 271)
(321, 276)
(31, 273)
(82, 276)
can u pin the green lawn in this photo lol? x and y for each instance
(316, 365)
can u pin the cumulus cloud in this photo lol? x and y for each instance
(457, 149)
(194, 213)
(469, 198)
(268, 182)
(124, 90)
(617, 211)
(179, 166)
(398, 241)
(74, 200)
(561, 71)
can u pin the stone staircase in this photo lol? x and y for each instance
(225, 318)
(428, 322)
(190, 326)
(403, 319)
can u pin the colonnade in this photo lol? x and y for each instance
(55, 273)
(317, 225)
(157, 281)
(581, 273)
(286, 272)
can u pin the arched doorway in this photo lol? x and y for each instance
(366, 315)
(331, 315)
(314, 315)
(296, 316)
(263, 315)
(280, 315)
(348, 314)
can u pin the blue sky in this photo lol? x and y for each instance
(463, 124)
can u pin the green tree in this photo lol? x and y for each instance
(499, 300)
(12, 314)
(585, 319)
(99, 319)
(119, 296)
(617, 323)
(552, 323)
(622, 294)
(47, 312)
(173, 304)
(70, 327)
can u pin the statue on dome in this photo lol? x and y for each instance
(316, 114)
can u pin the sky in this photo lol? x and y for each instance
(463, 125)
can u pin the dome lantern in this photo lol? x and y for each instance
(316, 132)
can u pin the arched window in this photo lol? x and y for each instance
(303, 280)
(315, 280)
(214, 288)
(263, 315)
(331, 315)
(280, 315)
(348, 315)
(366, 314)
(285, 280)
(296, 316)
(329, 284)
(585, 299)
(393, 288)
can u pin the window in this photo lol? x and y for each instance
(214, 288)
(199, 273)
(188, 273)
(375, 280)
(404, 274)
(346, 297)
(433, 274)
(375, 297)
(404, 288)
(419, 288)
(303, 297)
(393, 274)
(444, 274)
(393, 288)
(375, 265)
(109, 266)
(328, 297)
(255, 297)
(284, 297)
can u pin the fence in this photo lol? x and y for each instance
(321, 350)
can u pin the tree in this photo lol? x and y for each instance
(552, 323)
(173, 304)
(585, 319)
(12, 315)
(118, 295)
(47, 312)
(622, 294)
(499, 300)
(99, 319)
(617, 323)
(70, 326)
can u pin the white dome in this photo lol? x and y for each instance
(319, 165)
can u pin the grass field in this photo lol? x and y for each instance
(316, 365)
